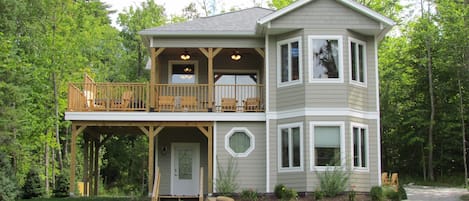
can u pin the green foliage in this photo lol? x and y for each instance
(351, 195)
(226, 181)
(376, 193)
(33, 186)
(318, 194)
(279, 4)
(390, 192)
(249, 195)
(333, 181)
(285, 194)
(61, 186)
(8, 186)
(402, 192)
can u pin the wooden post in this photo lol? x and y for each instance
(72, 159)
(210, 78)
(153, 77)
(210, 159)
(85, 165)
(151, 152)
(91, 168)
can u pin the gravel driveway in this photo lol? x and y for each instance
(430, 193)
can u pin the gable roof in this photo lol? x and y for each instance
(349, 3)
(238, 23)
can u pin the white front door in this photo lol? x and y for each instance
(185, 168)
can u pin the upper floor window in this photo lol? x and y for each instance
(357, 62)
(325, 59)
(327, 144)
(290, 146)
(289, 61)
(360, 146)
(183, 72)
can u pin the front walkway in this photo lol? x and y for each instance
(430, 193)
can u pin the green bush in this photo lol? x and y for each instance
(32, 187)
(390, 193)
(226, 181)
(61, 187)
(285, 194)
(334, 181)
(376, 193)
(8, 187)
(249, 195)
(318, 195)
(402, 192)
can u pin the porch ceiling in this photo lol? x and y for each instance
(195, 52)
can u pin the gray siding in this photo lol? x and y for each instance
(208, 42)
(324, 14)
(171, 135)
(252, 168)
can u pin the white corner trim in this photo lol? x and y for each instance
(214, 184)
(165, 116)
(378, 119)
(267, 156)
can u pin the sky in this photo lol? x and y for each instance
(174, 7)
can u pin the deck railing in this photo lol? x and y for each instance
(90, 96)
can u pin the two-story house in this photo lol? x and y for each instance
(286, 93)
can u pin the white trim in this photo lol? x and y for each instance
(340, 43)
(367, 147)
(267, 104)
(378, 119)
(165, 116)
(354, 5)
(196, 70)
(365, 66)
(341, 125)
(279, 147)
(301, 112)
(279, 62)
(214, 169)
(252, 142)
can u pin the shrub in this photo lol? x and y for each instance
(226, 181)
(8, 187)
(318, 195)
(285, 194)
(61, 187)
(32, 187)
(402, 192)
(376, 193)
(333, 181)
(390, 193)
(249, 195)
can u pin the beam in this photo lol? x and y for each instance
(204, 131)
(260, 51)
(143, 123)
(151, 152)
(144, 130)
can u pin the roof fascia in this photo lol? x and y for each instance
(198, 33)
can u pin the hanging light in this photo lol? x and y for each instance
(185, 55)
(188, 69)
(236, 56)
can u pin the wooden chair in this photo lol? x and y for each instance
(384, 178)
(228, 104)
(166, 103)
(251, 105)
(188, 103)
(124, 102)
(395, 181)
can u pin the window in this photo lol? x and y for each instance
(183, 72)
(327, 144)
(357, 62)
(239, 142)
(289, 62)
(360, 146)
(290, 147)
(325, 56)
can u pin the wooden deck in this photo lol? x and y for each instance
(98, 97)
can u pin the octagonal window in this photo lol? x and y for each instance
(239, 142)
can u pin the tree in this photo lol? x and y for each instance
(279, 4)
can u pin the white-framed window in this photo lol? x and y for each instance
(182, 72)
(239, 142)
(357, 62)
(325, 59)
(327, 141)
(359, 144)
(290, 147)
(289, 65)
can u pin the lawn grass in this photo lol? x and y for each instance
(91, 199)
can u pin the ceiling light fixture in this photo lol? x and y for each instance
(236, 56)
(185, 55)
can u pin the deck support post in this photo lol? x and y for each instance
(151, 132)
(209, 134)
(73, 154)
(210, 53)
(86, 164)
(155, 76)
